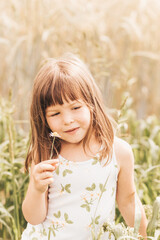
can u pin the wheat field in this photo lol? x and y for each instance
(118, 40)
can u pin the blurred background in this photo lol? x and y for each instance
(118, 40)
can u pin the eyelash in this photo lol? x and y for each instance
(55, 114)
(75, 108)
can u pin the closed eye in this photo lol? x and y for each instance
(75, 108)
(55, 114)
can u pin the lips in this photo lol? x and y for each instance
(72, 130)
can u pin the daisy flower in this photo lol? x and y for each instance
(54, 135)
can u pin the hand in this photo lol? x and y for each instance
(42, 174)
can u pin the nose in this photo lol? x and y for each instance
(68, 119)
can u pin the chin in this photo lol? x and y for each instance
(76, 141)
(72, 141)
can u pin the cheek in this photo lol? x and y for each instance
(52, 124)
(87, 117)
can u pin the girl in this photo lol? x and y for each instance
(72, 193)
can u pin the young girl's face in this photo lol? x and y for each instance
(70, 120)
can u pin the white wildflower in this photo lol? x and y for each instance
(54, 134)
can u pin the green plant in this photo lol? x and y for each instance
(13, 145)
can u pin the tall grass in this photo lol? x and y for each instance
(13, 145)
(118, 39)
(144, 137)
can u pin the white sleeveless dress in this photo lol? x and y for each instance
(81, 199)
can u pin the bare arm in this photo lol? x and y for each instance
(35, 204)
(126, 187)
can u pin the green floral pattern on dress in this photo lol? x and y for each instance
(60, 223)
(89, 200)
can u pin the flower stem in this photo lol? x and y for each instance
(52, 148)
(102, 191)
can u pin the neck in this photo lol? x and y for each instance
(76, 151)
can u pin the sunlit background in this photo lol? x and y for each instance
(119, 40)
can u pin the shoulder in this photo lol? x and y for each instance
(123, 153)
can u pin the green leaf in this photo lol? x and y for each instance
(153, 223)
(66, 171)
(57, 215)
(51, 230)
(91, 188)
(66, 217)
(88, 189)
(57, 170)
(101, 186)
(95, 161)
(69, 222)
(86, 206)
(33, 230)
(113, 189)
(44, 232)
(96, 220)
(62, 188)
(83, 205)
(67, 188)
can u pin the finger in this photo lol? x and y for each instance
(56, 165)
(52, 161)
(55, 162)
(46, 181)
(45, 175)
(44, 167)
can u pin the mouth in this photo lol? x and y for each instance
(72, 130)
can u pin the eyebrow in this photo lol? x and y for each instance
(56, 110)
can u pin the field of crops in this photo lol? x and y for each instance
(119, 41)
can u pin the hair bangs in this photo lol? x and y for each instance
(65, 89)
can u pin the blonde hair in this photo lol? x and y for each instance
(66, 78)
